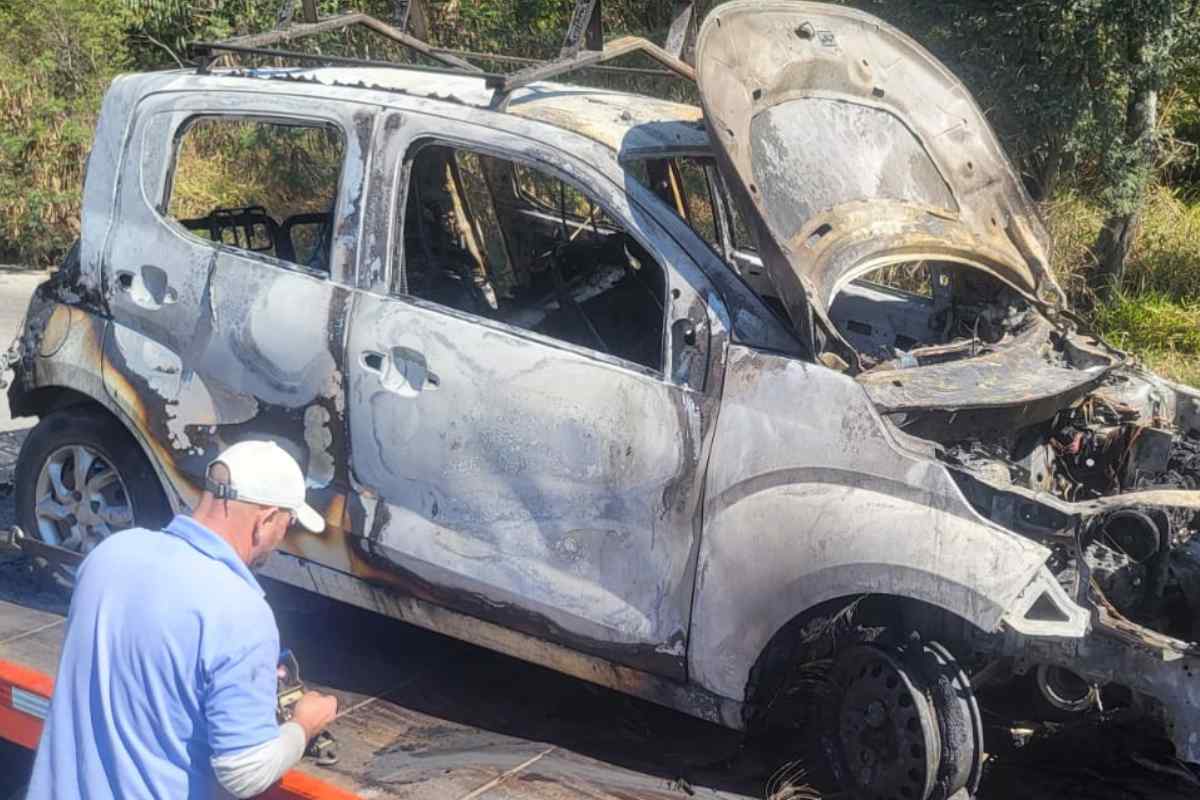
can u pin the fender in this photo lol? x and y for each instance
(64, 347)
(811, 499)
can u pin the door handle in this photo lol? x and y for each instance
(402, 371)
(125, 281)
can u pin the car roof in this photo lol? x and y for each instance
(634, 126)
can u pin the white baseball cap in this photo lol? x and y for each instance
(264, 474)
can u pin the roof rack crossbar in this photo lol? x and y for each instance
(204, 52)
(617, 48)
(525, 61)
(583, 46)
(340, 22)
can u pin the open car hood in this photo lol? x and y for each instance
(849, 147)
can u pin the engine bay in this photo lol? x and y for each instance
(962, 364)
(1142, 560)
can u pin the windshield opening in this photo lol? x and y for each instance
(916, 313)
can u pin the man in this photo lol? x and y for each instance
(167, 683)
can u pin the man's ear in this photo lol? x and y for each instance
(261, 518)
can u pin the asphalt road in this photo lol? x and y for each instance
(16, 285)
(476, 699)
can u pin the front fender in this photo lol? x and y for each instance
(810, 499)
(788, 548)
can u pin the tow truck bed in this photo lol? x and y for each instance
(423, 716)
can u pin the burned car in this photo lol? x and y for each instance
(686, 402)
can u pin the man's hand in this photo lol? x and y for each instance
(313, 712)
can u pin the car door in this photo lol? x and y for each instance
(527, 480)
(221, 330)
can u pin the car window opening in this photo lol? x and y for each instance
(685, 184)
(261, 187)
(513, 243)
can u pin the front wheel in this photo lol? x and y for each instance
(81, 477)
(901, 723)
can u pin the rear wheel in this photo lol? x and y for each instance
(81, 478)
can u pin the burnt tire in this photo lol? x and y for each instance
(74, 470)
(901, 723)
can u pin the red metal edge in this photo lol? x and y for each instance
(17, 726)
(296, 785)
(25, 730)
(25, 678)
(20, 728)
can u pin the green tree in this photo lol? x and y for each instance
(1128, 164)
(56, 58)
(1072, 87)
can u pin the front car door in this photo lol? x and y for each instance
(233, 244)
(509, 467)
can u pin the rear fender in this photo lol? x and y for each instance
(62, 347)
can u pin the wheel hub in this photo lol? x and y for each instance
(901, 724)
(887, 733)
(80, 499)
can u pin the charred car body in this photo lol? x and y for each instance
(554, 401)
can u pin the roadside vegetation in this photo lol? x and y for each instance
(1156, 313)
(1097, 102)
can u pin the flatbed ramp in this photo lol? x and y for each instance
(423, 716)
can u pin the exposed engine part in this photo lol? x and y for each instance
(1185, 569)
(1094, 449)
(1120, 578)
(1140, 559)
(1129, 554)
(1092, 442)
(1182, 470)
(1134, 534)
(1066, 691)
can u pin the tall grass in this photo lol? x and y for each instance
(1156, 313)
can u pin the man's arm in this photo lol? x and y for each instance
(249, 772)
(252, 770)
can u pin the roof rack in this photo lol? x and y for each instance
(286, 31)
(583, 47)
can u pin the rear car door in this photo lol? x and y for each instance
(233, 241)
(511, 468)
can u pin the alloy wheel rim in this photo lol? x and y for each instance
(80, 499)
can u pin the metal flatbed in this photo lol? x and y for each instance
(424, 716)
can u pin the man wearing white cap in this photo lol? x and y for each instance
(167, 683)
